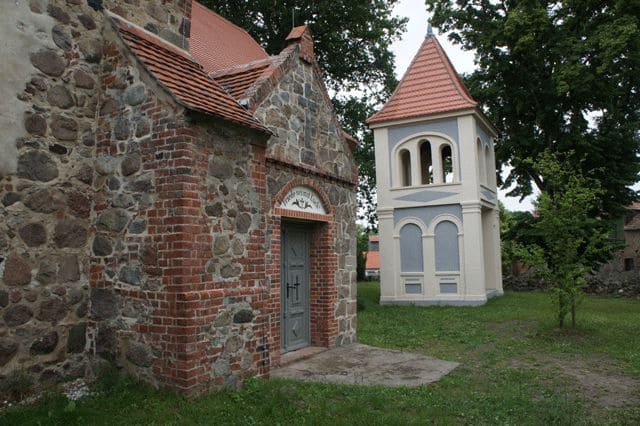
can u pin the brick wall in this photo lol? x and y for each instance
(177, 293)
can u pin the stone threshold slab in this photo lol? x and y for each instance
(359, 364)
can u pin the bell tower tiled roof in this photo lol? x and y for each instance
(429, 86)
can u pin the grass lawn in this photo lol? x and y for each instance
(516, 368)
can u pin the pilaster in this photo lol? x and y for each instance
(474, 266)
(388, 264)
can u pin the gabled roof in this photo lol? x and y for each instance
(223, 67)
(184, 78)
(218, 44)
(429, 86)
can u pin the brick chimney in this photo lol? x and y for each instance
(302, 36)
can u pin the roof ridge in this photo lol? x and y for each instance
(218, 43)
(238, 69)
(404, 76)
(277, 68)
(462, 89)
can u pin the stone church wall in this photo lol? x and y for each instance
(305, 129)
(45, 210)
(169, 19)
(229, 304)
(79, 266)
(135, 231)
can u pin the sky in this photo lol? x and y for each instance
(408, 46)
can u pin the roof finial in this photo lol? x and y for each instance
(429, 29)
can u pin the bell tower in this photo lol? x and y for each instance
(437, 197)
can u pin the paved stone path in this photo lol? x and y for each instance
(367, 365)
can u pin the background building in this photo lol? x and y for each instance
(372, 265)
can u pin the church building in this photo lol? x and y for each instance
(437, 197)
(173, 198)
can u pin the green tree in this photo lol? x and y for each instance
(572, 241)
(557, 76)
(516, 231)
(352, 45)
(354, 113)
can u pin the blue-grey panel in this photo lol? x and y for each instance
(447, 126)
(426, 214)
(426, 196)
(482, 134)
(413, 288)
(447, 250)
(411, 248)
(449, 287)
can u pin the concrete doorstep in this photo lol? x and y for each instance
(367, 365)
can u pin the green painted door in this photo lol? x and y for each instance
(295, 288)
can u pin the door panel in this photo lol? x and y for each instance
(295, 288)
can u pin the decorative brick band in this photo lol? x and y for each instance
(303, 215)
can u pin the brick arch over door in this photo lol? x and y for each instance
(311, 183)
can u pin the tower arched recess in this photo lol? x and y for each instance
(421, 159)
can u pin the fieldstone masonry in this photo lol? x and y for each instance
(168, 19)
(46, 205)
(135, 230)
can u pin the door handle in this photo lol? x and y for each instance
(293, 286)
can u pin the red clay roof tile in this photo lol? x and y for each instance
(296, 32)
(429, 86)
(218, 44)
(238, 80)
(184, 78)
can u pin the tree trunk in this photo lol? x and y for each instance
(573, 312)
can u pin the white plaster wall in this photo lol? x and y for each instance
(21, 33)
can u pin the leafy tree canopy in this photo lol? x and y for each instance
(556, 76)
(352, 45)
